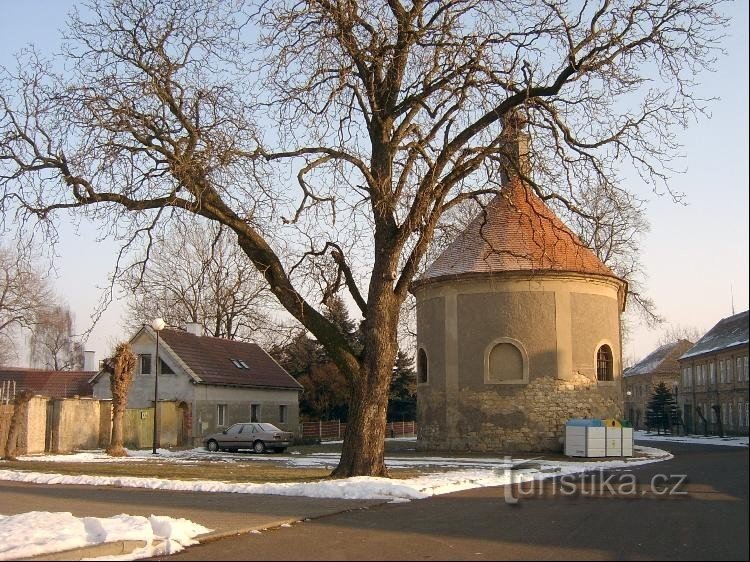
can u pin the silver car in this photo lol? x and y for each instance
(259, 437)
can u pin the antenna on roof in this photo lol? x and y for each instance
(731, 291)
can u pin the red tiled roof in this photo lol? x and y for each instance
(55, 384)
(210, 359)
(515, 232)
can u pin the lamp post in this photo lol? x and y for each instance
(157, 324)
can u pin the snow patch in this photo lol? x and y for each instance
(42, 532)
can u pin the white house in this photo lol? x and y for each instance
(220, 381)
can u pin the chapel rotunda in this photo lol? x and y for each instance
(518, 330)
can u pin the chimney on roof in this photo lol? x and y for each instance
(89, 360)
(516, 161)
(194, 328)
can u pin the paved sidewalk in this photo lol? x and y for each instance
(226, 514)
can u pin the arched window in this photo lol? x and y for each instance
(506, 363)
(604, 363)
(421, 366)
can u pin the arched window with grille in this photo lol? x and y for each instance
(604, 367)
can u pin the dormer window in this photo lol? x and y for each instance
(239, 363)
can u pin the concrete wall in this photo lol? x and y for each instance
(33, 440)
(31, 437)
(6, 415)
(558, 321)
(79, 423)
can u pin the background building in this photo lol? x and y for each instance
(661, 365)
(715, 379)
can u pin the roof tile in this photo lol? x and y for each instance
(210, 359)
(55, 384)
(516, 231)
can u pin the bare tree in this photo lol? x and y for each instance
(333, 147)
(193, 272)
(676, 332)
(121, 369)
(53, 344)
(23, 293)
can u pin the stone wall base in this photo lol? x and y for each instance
(508, 419)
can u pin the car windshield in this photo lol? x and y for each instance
(268, 427)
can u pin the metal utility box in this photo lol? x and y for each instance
(597, 438)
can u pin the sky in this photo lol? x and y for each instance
(695, 255)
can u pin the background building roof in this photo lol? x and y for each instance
(55, 384)
(663, 359)
(516, 231)
(729, 332)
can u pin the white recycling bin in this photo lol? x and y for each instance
(597, 438)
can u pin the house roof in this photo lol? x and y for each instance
(516, 231)
(210, 361)
(55, 384)
(729, 332)
(663, 359)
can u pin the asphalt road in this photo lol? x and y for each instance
(706, 519)
(225, 514)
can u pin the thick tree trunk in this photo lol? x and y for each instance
(20, 414)
(115, 448)
(363, 451)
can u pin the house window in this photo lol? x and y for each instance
(712, 372)
(422, 366)
(722, 375)
(239, 363)
(221, 415)
(282, 413)
(255, 412)
(744, 367)
(164, 368)
(505, 363)
(144, 361)
(604, 363)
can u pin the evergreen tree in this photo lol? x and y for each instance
(402, 399)
(662, 412)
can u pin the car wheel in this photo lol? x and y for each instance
(259, 447)
(212, 446)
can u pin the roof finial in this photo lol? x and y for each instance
(515, 147)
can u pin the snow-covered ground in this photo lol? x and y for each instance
(710, 440)
(42, 532)
(34, 533)
(463, 474)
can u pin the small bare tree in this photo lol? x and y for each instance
(20, 415)
(676, 332)
(193, 272)
(53, 344)
(333, 145)
(23, 294)
(121, 370)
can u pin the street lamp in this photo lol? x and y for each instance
(157, 324)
